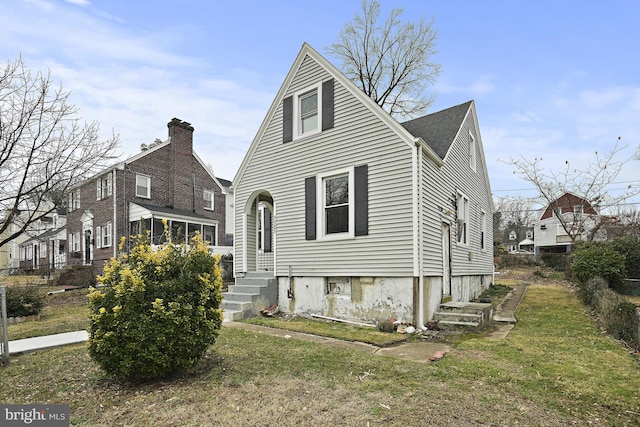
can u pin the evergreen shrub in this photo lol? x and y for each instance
(24, 300)
(599, 259)
(159, 310)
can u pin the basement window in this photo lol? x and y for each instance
(338, 286)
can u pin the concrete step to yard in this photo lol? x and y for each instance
(239, 296)
(235, 305)
(464, 313)
(249, 295)
(458, 323)
(231, 315)
(458, 317)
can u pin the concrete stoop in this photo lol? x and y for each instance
(471, 314)
(248, 296)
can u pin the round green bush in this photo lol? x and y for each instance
(159, 311)
(599, 259)
(24, 300)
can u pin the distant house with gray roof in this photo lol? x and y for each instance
(354, 215)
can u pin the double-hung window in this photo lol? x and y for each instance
(483, 230)
(336, 204)
(103, 236)
(208, 200)
(307, 111)
(143, 186)
(74, 200)
(104, 187)
(463, 219)
(472, 152)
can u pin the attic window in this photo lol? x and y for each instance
(309, 111)
(472, 152)
(143, 186)
(306, 111)
(208, 200)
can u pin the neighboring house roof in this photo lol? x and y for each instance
(44, 235)
(568, 201)
(439, 129)
(225, 182)
(173, 212)
(147, 149)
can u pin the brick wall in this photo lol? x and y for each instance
(178, 181)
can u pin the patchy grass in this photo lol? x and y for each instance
(634, 299)
(496, 293)
(326, 328)
(63, 312)
(555, 368)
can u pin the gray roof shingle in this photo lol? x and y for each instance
(439, 129)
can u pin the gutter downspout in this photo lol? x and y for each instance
(115, 241)
(420, 321)
(416, 174)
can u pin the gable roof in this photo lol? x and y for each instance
(439, 129)
(146, 150)
(567, 201)
(305, 51)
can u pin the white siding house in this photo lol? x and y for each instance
(579, 217)
(369, 218)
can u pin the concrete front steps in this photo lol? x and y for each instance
(249, 295)
(471, 314)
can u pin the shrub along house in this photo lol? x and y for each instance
(368, 218)
(165, 181)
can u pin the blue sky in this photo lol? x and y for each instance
(551, 79)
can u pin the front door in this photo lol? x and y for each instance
(87, 247)
(265, 238)
(36, 255)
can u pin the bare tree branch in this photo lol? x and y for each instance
(44, 147)
(389, 62)
(588, 183)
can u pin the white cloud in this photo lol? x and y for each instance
(79, 2)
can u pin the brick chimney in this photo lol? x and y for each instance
(181, 165)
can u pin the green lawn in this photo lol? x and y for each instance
(63, 312)
(555, 368)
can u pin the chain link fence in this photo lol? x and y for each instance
(4, 334)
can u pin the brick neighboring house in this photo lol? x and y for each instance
(166, 180)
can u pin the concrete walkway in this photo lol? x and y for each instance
(48, 341)
(418, 351)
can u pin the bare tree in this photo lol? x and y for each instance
(390, 62)
(44, 148)
(589, 183)
(517, 212)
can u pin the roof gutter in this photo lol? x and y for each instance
(429, 152)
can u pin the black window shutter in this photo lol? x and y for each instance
(287, 119)
(267, 230)
(361, 178)
(310, 208)
(327, 104)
